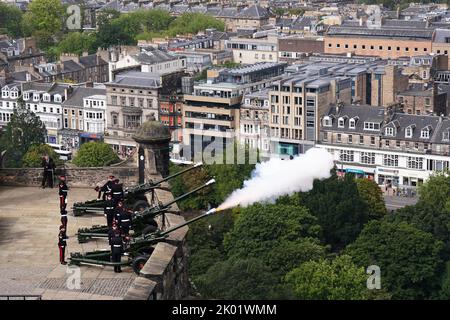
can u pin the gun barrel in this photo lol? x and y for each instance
(181, 225)
(150, 185)
(183, 196)
(198, 164)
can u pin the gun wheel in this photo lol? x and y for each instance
(138, 263)
(140, 205)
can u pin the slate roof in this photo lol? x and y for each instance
(381, 33)
(399, 121)
(137, 79)
(79, 93)
(254, 12)
(154, 56)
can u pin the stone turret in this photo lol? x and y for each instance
(153, 139)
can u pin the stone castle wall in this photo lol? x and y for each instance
(76, 177)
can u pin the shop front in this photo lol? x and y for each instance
(90, 137)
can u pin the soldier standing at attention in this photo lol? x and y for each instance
(109, 210)
(63, 189)
(49, 166)
(116, 243)
(62, 244)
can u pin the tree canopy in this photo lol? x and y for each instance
(33, 157)
(337, 279)
(238, 279)
(371, 193)
(95, 154)
(10, 20)
(409, 259)
(282, 236)
(24, 130)
(44, 19)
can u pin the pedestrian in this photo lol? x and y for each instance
(49, 166)
(116, 243)
(62, 243)
(109, 210)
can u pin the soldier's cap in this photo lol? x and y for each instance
(116, 180)
(62, 176)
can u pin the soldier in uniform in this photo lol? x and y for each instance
(63, 189)
(106, 188)
(117, 192)
(109, 210)
(62, 239)
(123, 218)
(116, 242)
(49, 166)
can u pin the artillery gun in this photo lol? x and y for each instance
(143, 221)
(136, 252)
(134, 196)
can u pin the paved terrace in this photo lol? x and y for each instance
(29, 257)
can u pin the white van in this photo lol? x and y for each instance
(60, 150)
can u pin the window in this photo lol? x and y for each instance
(390, 160)
(352, 124)
(371, 126)
(387, 143)
(350, 139)
(368, 157)
(339, 138)
(409, 132)
(114, 100)
(389, 131)
(341, 122)
(397, 143)
(415, 163)
(372, 140)
(361, 139)
(327, 122)
(425, 134)
(347, 156)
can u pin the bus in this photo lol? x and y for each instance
(61, 151)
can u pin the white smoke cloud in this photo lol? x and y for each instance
(276, 177)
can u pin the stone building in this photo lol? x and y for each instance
(18, 52)
(394, 149)
(132, 98)
(421, 101)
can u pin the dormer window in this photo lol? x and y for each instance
(341, 122)
(446, 134)
(46, 97)
(58, 98)
(389, 131)
(352, 123)
(26, 96)
(372, 126)
(327, 122)
(409, 132)
(36, 97)
(425, 133)
(5, 92)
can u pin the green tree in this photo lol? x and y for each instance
(409, 258)
(44, 19)
(371, 193)
(432, 212)
(77, 42)
(337, 279)
(95, 154)
(282, 236)
(238, 279)
(24, 130)
(10, 20)
(191, 23)
(33, 157)
(339, 209)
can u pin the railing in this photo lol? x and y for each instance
(20, 297)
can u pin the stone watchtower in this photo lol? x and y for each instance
(153, 145)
